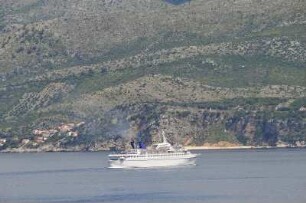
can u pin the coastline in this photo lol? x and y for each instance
(190, 148)
(38, 150)
(53, 149)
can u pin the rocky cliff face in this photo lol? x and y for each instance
(204, 71)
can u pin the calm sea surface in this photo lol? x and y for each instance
(264, 176)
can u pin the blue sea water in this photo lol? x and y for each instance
(177, 2)
(249, 176)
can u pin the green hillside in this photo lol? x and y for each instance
(204, 71)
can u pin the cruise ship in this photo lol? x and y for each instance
(158, 155)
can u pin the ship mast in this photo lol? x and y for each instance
(164, 137)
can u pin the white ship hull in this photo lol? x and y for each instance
(153, 162)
